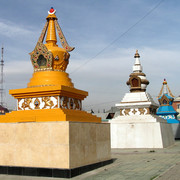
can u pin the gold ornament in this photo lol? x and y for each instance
(48, 102)
(26, 103)
(36, 103)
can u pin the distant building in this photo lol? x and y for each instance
(107, 115)
(176, 106)
(3, 110)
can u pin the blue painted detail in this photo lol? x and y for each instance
(170, 118)
(166, 110)
(173, 121)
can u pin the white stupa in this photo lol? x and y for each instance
(137, 126)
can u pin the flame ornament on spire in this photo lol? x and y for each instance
(137, 54)
(52, 11)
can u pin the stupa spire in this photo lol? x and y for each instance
(165, 90)
(137, 65)
(51, 33)
(48, 59)
(137, 80)
(53, 26)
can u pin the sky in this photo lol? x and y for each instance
(105, 34)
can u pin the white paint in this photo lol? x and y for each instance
(136, 130)
(143, 86)
(137, 66)
(141, 134)
(139, 98)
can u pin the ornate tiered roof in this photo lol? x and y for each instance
(166, 109)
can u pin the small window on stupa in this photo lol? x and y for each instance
(164, 101)
(42, 61)
(135, 82)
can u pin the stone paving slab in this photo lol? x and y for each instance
(172, 173)
(131, 164)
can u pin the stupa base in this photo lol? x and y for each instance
(176, 130)
(51, 172)
(53, 149)
(47, 115)
(144, 131)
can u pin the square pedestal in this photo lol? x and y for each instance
(176, 130)
(53, 149)
(141, 132)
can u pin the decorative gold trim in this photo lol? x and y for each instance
(131, 81)
(47, 102)
(137, 90)
(62, 38)
(65, 102)
(62, 64)
(126, 112)
(36, 103)
(76, 103)
(71, 103)
(134, 102)
(142, 111)
(50, 102)
(161, 91)
(41, 49)
(121, 112)
(137, 74)
(26, 103)
(170, 91)
(137, 54)
(164, 98)
(43, 33)
(56, 106)
(134, 111)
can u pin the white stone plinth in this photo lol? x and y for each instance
(176, 130)
(140, 131)
(62, 144)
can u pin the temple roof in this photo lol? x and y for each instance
(166, 109)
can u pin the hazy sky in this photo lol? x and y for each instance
(97, 65)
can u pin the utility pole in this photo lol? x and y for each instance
(2, 78)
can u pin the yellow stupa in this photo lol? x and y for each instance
(50, 95)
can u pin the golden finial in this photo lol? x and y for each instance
(137, 54)
(164, 82)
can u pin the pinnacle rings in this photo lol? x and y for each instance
(137, 80)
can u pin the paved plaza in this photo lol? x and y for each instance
(131, 164)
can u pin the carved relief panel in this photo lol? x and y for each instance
(49, 102)
(38, 103)
(135, 111)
